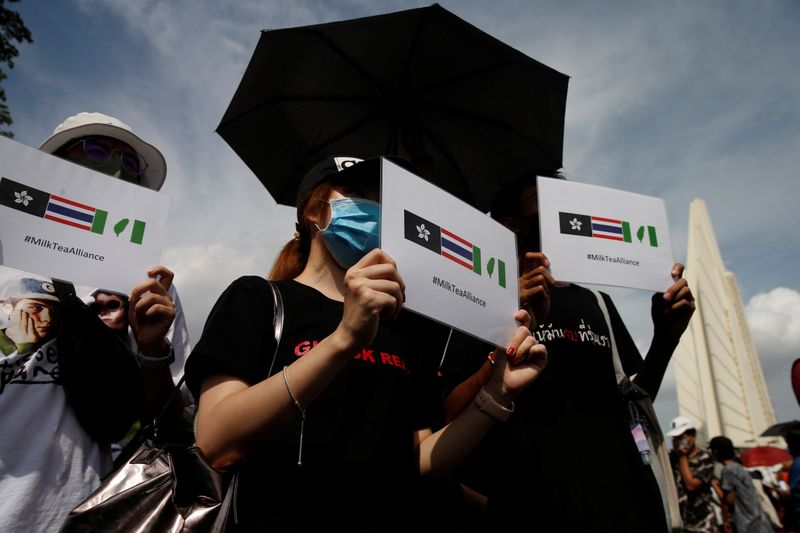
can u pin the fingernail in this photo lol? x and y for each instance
(510, 351)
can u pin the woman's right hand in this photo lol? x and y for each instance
(373, 290)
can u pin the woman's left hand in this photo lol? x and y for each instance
(519, 365)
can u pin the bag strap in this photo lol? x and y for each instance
(618, 370)
(660, 467)
(277, 320)
(277, 330)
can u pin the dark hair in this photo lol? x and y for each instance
(722, 447)
(507, 200)
(293, 256)
(793, 441)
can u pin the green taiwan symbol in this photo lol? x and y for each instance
(120, 226)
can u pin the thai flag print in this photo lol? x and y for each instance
(609, 228)
(77, 215)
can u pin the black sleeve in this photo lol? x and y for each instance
(430, 339)
(629, 354)
(99, 373)
(238, 335)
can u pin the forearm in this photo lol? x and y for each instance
(655, 365)
(461, 396)
(234, 418)
(158, 389)
(444, 450)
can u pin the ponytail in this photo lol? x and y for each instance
(292, 259)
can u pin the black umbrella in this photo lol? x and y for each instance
(782, 429)
(421, 84)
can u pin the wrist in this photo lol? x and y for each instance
(159, 358)
(343, 343)
(490, 406)
(665, 339)
(496, 386)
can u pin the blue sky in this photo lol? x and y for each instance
(675, 99)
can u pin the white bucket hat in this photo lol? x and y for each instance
(87, 124)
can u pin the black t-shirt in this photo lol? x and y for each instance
(566, 456)
(358, 455)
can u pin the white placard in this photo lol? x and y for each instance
(606, 236)
(65, 221)
(459, 265)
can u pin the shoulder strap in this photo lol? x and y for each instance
(277, 325)
(618, 370)
(277, 320)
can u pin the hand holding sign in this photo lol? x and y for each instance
(534, 286)
(373, 291)
(672, 309)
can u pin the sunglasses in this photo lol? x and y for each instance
(111, 305)
(100, 151)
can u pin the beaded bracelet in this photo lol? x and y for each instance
(146, 361)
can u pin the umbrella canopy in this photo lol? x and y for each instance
(764, 456)
(781, 429)
(421, 84)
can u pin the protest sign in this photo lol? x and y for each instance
(65, 221)
(599, 235)
(459, 265)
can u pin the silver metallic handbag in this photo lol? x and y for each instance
(164, 488)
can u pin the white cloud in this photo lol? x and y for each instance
(202, 272)
(774, 320)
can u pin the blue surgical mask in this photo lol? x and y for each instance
(353, 231)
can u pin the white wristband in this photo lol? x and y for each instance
(487, 404)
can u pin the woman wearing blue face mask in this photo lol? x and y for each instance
(338, 434)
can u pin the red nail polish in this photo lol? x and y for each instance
(510, 351)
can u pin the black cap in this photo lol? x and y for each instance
(328, 166)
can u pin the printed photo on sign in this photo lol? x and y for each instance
(65, 221)
(459, 265)
(604, 236)
(29, 317)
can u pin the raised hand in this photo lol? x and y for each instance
(374, 290)
(672, 309)
(22, 327)
(518, 366)
(534, 286)
(152, 311)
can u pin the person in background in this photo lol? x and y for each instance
(109, 146)
(538, 461)
(49, 461)
(338, 435)
(741, 505)
(693, 468)
(112, 308)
